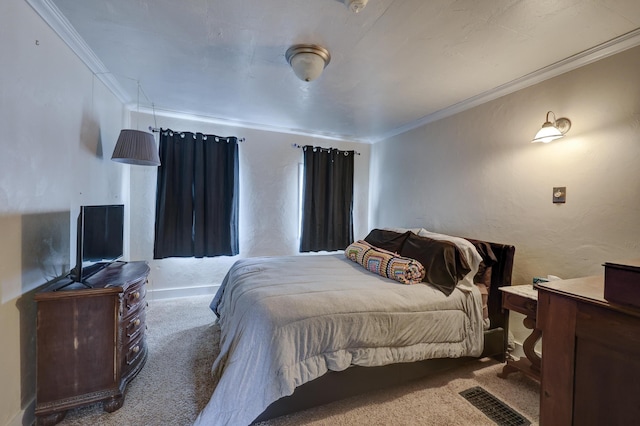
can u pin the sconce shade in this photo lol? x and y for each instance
(136, 147)
(308, 60)
(548, 133)
(552, 130)
(356, 5)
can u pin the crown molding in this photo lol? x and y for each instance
(611, 47)
(50, 13)
(247, 125)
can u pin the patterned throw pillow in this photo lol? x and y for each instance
(356, 251)
(385, 263)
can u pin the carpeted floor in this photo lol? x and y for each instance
(176, 384)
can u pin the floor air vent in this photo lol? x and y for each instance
(493, 408)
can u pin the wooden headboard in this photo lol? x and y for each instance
(500, 277)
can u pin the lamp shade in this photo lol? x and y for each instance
(548, 133)
(308, 60)
(552, 130)
(136, 147)
(356, 5)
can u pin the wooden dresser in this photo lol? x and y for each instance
(90, 341)
(591, 355)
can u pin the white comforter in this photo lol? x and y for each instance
(288, 320)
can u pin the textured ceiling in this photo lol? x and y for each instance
(393, 64)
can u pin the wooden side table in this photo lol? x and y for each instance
(523, 299)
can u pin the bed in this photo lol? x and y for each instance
(301, 331)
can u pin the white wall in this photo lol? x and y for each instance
(59, 126)
(472, 174)
(268, 212)
(476, 174)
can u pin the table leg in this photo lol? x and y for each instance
(530, 343)
(531, 365)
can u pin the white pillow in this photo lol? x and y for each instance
(403, 230)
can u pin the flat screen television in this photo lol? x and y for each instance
(100, 239)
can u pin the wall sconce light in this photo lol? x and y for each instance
(308, 60)
(552, 130)
(356, 5)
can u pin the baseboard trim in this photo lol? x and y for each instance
(518, 351)
(25, 417)
(175, 293)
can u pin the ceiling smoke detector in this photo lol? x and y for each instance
(356, 5)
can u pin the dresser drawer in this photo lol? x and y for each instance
(520, 304)
(134, 325)
(133, 298)
(133, 352)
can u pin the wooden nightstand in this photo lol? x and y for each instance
(523, 299)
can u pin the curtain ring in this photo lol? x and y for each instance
(194, 136)
(182, 135)
(204, 137)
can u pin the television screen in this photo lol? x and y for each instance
(100, 238)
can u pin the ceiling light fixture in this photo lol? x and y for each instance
(356, 5)
(135, 146)
(308, 60)
(552, 130)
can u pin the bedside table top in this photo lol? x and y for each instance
(526, 290)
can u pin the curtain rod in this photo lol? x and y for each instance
(156, 130)
(295, 145)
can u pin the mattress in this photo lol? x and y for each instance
(288, 320)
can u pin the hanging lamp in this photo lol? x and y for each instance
(136, 146)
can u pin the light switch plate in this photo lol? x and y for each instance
(559, 194)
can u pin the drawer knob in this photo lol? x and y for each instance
(136, 295)
(136, 349)
(136, 322)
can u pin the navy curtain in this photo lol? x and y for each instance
(197, 196)
(327, 209)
